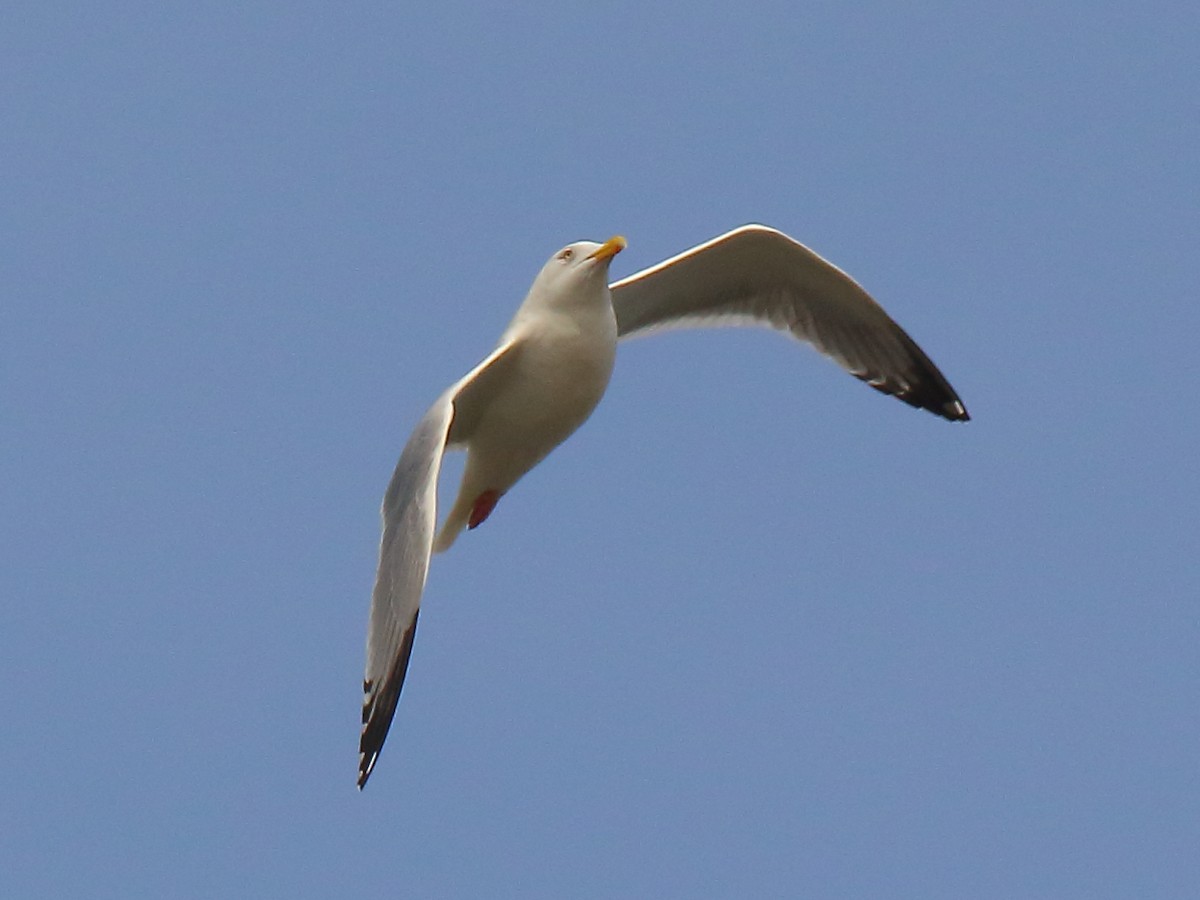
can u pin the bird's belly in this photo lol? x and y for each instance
(554, 390)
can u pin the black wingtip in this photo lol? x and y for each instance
(380, 707)
(952, 410)
(932, 394)
(920, 383)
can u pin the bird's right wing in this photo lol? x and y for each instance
(409, 517)
(409, 514)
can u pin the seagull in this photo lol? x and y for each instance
(552, 366)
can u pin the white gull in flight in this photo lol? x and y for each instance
(551, 368)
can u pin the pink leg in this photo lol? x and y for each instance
(484, 504)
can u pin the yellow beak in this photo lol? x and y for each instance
(609, 248)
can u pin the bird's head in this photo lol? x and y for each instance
(576, 272)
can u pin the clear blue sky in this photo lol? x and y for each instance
(755, 630)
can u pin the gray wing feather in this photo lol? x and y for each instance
(409, 516)
(756, 275)
(409, 519)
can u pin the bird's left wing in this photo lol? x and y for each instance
(409, 516)
(756, 275)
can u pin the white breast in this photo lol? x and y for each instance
(561, 373)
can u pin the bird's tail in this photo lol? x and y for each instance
(453, 526)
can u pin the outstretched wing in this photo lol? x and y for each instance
(409, 517)
(756, 275)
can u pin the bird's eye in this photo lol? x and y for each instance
(566, 254)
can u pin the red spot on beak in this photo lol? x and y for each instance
(484, 504)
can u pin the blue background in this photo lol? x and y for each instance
(755, 630)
